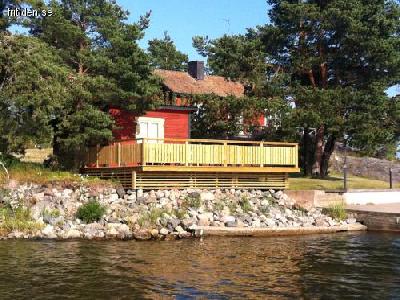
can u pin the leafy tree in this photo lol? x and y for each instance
(237, 57)
(164, 55)
(107, 68)
(332, 66)
(340, 65)
(33, 86)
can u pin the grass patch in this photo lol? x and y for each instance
(51, 213)
(91, 211)
(149, 218)
(18, 219)
(335, 182)
(336, 211)
(37, 173)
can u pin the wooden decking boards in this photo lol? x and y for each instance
(166, 163)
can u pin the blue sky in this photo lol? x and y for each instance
(184, 19)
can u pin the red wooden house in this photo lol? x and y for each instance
(154, 150)
(173, 120)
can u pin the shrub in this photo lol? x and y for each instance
(52, 213)
(336, 211)
(149, 218)
(245, 204)
(91, 211)
(191, 202)
(18, 219)
(218, 206)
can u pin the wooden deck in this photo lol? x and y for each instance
(162, 163)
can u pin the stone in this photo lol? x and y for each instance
(207, 196)
(142, 235)
(48, 230)
(203, 220)
(154, 233)
(188, 222)
(73, 234)
(256, 223)
(114, 197)
(227, 219)
(173, 222)
(231, 224)
(121, 193)
(351, 221)
(179, 229)
(164, 231)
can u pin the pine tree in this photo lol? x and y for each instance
(164, 55)
(107, 68)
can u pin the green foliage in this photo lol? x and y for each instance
(149, 218)
(191, 202)
(336, 211)
(219, 206)
(52, 213)
(164, 55)
(327, 70)
(17, 219)
(245, 204)
(232, 207)
(57, 83)
(91, 211)
(32, 89)
(237, 57)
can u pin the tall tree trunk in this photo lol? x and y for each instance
(319, 149)
(306, 152)
(328, 150)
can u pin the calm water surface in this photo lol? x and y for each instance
(341, 266)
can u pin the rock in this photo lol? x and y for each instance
(173, 222)
(203, 220)
(207, 196)
(227, 219)
(231, 224)
(179, 229)
(154, 233)
(188, 222)
(48, 229)
(120, 193)
(256, 223)
(73, 234)
(351, 221)
(124, 231)
(164, 231)
(113, 198)
(240, 223)
(142, 235)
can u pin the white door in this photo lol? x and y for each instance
(151, 128)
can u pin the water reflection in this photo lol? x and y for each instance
(322, 266)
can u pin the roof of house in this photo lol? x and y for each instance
(182, 82)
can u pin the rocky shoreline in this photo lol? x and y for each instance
(51, 212)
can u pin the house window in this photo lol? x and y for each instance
(150, 128)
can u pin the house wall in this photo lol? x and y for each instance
(176, 123)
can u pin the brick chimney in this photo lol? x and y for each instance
(196, 69)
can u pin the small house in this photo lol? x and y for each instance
(172, 120)
(155, 150)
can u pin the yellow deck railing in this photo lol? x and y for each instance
(193, 153)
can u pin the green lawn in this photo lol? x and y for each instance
(335, 181)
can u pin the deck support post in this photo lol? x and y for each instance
(134, 180)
